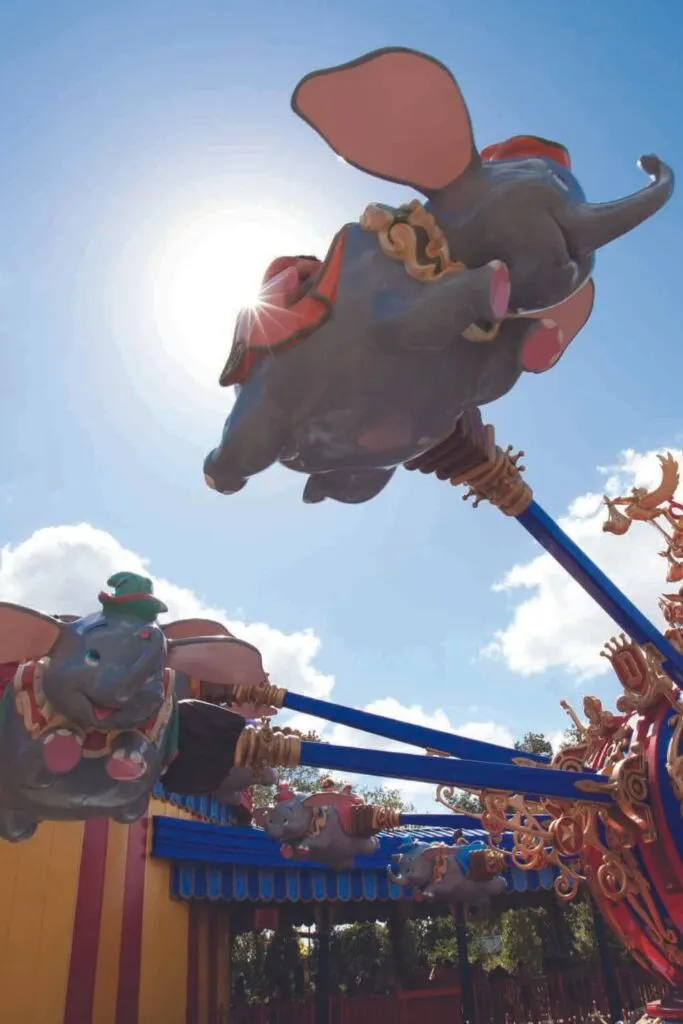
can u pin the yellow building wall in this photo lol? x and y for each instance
(38, 887)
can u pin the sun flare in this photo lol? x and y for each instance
(211, 266)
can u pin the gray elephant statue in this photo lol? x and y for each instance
(329, 827)
(348, 367)
(464, 873)
(95, 710)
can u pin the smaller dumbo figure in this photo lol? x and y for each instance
(330, 827)
(94, 710)
(463, 873)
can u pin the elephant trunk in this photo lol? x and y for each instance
(589, 226)
(394, 878)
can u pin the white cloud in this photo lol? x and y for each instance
(61, 569)
(558, 625)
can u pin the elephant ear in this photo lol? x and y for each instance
(343, 803)
(184, 629)
(545, 346)
(394, 113)
(437, 851)
(25, 635)
(220, 663)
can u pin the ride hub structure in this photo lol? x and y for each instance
(350, 367)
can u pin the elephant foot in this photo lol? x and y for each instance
(351, 488)
(131, 812)
(62, 751)
(498, 290)
(220, 481)
(491, 298)
(542, 347)
(126, 763)
(16, 826)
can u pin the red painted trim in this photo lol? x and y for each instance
(213, 963)
(80, 991)
(192, 1004)
(128, 992)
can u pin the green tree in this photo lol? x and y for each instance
(304, 779)
(572, 736)
(535, 743)
(360, 956)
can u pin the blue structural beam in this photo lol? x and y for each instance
(532, 782)
(405, 732)
(570, 556)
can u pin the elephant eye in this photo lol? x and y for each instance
(92, 657)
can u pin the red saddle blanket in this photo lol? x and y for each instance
(297, 296)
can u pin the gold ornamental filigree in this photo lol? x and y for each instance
(264, 694)
(499, 481)
(534, 841)
(384, 818)
(258, 748)
(410, 234)
(660, 509)
(601, 727)
(469, 455)
(674, 758)
(639, 670)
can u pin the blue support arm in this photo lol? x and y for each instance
(532, 782)
(569, 555)
(405, 732)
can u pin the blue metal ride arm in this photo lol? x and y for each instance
(569, 555)
(405, 732)
(532, 782)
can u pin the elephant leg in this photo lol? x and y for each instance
(127, 763)
(16, 826)
(253, 439)
(348, 486)
(131, 812)
(61, 751)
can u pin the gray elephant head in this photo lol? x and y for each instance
(103, 671)
(466, 872)
(289, 820)
(90, 715)
(399, 115)
(325, 827)
(366, 359)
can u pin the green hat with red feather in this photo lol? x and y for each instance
(132, 595)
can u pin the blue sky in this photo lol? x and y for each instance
(126, 125)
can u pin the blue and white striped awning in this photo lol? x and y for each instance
(243, 864)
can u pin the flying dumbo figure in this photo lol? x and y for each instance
(94, 710)
(329, 827)
(349, 367)
(463, 873)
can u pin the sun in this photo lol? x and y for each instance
(209, 267)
